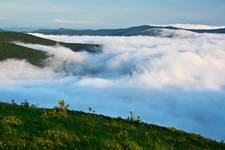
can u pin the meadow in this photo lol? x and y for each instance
(25, 126)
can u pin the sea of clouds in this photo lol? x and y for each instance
(178, 81)
(197, 26)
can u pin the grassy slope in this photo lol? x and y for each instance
(29, 130)
(10, 50)
(26, 38)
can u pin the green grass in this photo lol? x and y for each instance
(27, 38)
(35, 57)
(31, 128)
(13, 51)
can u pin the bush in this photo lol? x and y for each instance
(12, 120)
(58, 135)
(113, 145)
(130, 145)
(133, 118)
(63, 106)
(25, 104)
(60, 112)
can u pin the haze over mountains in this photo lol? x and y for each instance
(146, 30)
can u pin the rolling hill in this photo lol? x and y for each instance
(132, 31)
(27, 127)
(8, 49)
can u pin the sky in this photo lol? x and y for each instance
(81, 14)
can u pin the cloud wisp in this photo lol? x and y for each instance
(197, 26)
(175, 81)
(79, 22)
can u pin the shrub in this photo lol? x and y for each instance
(56, 114)
(59, 135)
(13, 102)
(2, 145)
(12, 120)
(133, 118)
(130, 145)
(25, 104)
(61, 112)
(91, 110)
(172, 129)
(122, 134)
(48, 144)
(113, 145)
(63, 106)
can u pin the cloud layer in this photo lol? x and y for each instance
(79, 22)
(187, 61)
(197, 26)
(175, 81)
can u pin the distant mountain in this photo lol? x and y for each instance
(221, 31)
(132, 31)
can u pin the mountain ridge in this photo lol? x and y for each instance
(131, 31)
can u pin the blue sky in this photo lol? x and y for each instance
(109, 13)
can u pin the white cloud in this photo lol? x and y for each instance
(188, 61)
(175, 81)
(62, 58)
(95, 82)
(197, 26)
(17, 73)
(85, 22)
(190, 26)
